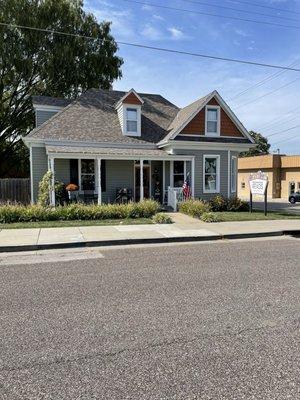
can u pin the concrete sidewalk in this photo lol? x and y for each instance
(184, 229)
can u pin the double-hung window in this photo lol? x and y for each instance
(131, 120)
(178, 173)
(211, 174)
(233, 173)
(212, 122)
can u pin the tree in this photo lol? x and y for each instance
(43, 63)
(262, 145)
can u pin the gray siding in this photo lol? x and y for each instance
(119, 173)
(42, 116)
(62, 170)
(39, 168)
(199, 171)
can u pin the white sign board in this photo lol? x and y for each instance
(258, 183)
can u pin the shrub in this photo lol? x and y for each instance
(19, 213)
(210, 217)
(44, 191)
(162, 218)
(195, 208)
(236, 204)
(218, 203)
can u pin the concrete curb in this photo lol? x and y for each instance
(125, 242)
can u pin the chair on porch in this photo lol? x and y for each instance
(123, 195)
(89, 196)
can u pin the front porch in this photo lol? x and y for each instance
(103, 176)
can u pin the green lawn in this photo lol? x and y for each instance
(61, 224)
(255, 216)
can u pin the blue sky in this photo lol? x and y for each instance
(182, 79)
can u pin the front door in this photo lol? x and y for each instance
(146, 182)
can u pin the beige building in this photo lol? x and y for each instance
(283, 172)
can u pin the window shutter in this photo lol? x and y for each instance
(74, 171)
(103, 175)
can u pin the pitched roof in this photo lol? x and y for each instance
(50, 101)
(93, 118)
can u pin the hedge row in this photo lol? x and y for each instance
(196, 208)
(18, 213)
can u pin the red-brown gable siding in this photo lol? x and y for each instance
(197, 125)
(132, 99)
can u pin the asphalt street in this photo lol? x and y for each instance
(213, 320)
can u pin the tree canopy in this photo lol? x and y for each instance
(262, 145)
(43, 63)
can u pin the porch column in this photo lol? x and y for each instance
(164, 182)
(141, 180)
(52, 188)
(193, 177)
(99, 180)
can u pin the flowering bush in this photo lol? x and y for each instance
(71, 187)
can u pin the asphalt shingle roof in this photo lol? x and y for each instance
(93, 118)
(50, 101)
(107, 151)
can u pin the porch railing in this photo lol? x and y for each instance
(175, 195)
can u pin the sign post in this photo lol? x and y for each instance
(258, 183)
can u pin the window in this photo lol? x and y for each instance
(87, 175)
(298, 185)
(131, 120)
(178, 173)
(233, 173)
(211, 174)
(212, 122)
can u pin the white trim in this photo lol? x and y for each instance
(45, 107)
(141, 180)
(218, 109)
(171, 173)
(138, 116)
(126, 95)
(228, 172)
(225, 108)
(99, 180)
(217, 157)
(31, 176)
(52, 189)
(193, 176)
(181, 145)
(77, 143)
(135, 166)
(235, 181)
(150, 179)
(203, 136)
(164, 178)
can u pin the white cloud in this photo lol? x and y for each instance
(152, 33)
(176, 33)
(158, 17)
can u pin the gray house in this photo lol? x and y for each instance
(107, 141)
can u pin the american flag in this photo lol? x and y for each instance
(186, 188)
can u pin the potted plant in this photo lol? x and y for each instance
(72, 190)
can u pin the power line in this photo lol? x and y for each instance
(277, 119)
(239, 61)
(260, 83)
(284, 121)
(285, 130)
(268, 93)
(285, 140)
(212, 15)
(239, 10)
(262, 6)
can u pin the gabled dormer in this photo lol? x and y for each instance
(129, 109)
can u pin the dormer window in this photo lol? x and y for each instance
(132, 120)
(129, 109)
(212, 121)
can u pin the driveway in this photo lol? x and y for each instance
(218, 320)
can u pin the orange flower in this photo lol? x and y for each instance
(71, 187)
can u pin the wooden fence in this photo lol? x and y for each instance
(15, 190)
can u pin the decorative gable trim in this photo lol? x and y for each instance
(131, 92)
(226, 109)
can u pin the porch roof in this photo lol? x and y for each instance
(111, 153)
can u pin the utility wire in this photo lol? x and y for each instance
(259, 64)
(285, 130)
(212, 15)
(260, 83)
(286, 120)
(239, 10)
(277, 119)
(268, 93)
(262, 6)
(285, 140)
